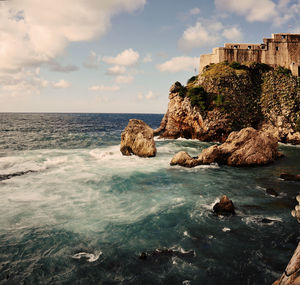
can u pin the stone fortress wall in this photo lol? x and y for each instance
(281, 50)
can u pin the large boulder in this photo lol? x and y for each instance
(291, 275)
(224, 207)
(184, 159)
(138, 139)
(247, 147)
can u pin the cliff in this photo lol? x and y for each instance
(229, 97)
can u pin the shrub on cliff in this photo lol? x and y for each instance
(192, 80)
(198, 97)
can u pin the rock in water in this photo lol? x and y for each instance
(224, 207)
(291, 275)
(247, 147)
(290, 177)
(184, 159)
(138, 139)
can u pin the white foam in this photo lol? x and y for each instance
(259, 220)
(90, 257)
(226, 230)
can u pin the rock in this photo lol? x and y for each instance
(138, 139)
(20, 173)
(247, 147)
(183, 159)
(291, 275)
(290, 177)
(296, 213)
(272, 192)
(293, 138)
(224, 207)
(166, 252)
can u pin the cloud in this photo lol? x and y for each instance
(233, 34)
(201, 35)
(104, 88)
(176, 64)
(57, 67)
(127, 57)
(150, 95)
(93, 61)
(195, 11)
(124, 79)
(208, 32)
(62, 84)
(147, 58)
(262, 11)
(116, 70)
(36, 32)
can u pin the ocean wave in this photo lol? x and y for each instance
(89, 257)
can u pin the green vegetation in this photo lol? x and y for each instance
(182, 92)
(219, 100)
(283, 70)
(238, 66)
(198, 97)
(192, 79)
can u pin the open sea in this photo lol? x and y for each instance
(86, 213)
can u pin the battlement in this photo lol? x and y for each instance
(280, 50)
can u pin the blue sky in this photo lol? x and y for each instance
(117, 55)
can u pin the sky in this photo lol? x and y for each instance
(120, 56)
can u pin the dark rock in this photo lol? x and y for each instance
(138, 139)
(272, 192)
(11, 175)
(290, 177)
(224, 207)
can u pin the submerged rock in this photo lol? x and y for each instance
(247, 147)
(224, 207)
(272, 192)
(138, 139)
(166, 252)
(20, 173)
(290, 177)
(291, 275)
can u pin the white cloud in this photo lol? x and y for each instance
(127, 57)
(116, 70)
(182, 63)
(233, 34)
(147, 58)
(93, 61)
(201, 35)
(195, 11)
(150, 95)
(36, 32)
(62, 84)
(57, 67)
(208, 32)
(104, 88)
(124, 79)
(278, 12)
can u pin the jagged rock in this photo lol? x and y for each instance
(291, 275)
(224, 207)
(138, 139)
(20, 173)
(290, 177)
(296, 213)
(272, 192)
(293, 138)
(184, 159)
(247, 147)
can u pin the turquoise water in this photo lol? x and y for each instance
(88, 212)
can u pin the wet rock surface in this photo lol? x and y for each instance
(138, 139)
(225, 207)
(11, 175)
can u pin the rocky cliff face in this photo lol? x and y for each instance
(227, 98)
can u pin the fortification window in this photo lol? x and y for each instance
(262, 46)
(283, 37)
(277, 48)
(235, 46)
(249, 47)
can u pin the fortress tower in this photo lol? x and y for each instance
(280, 50)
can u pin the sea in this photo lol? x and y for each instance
(84, 214)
